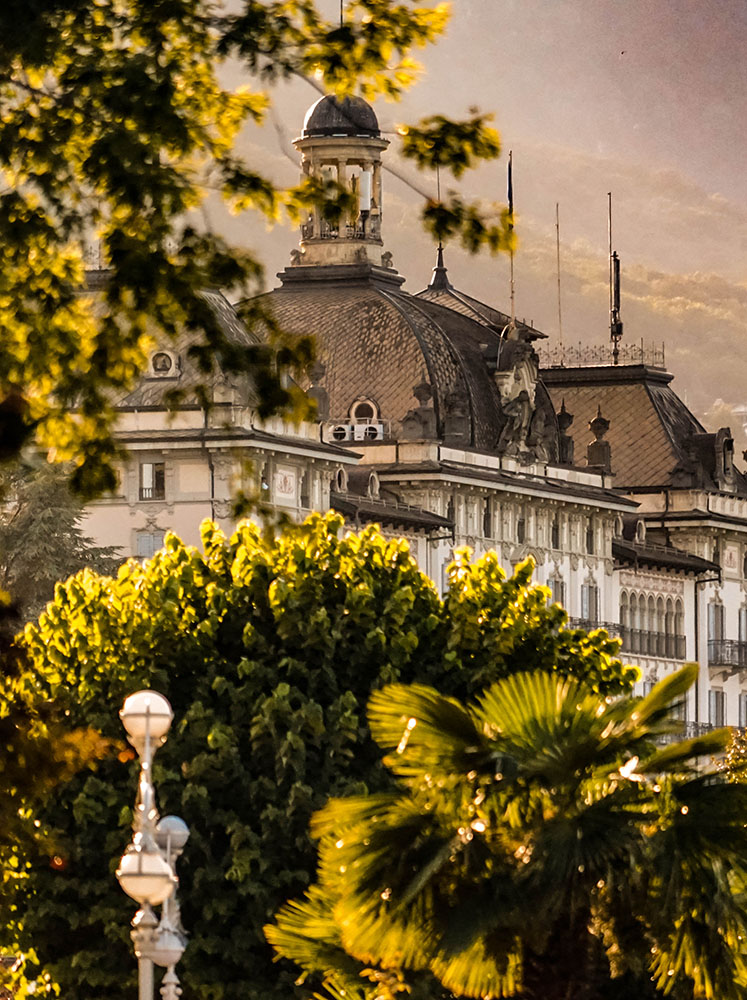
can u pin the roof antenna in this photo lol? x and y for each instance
(509, 331)
(616, 327)
(557, 247)
(438, 199)
(439, 279)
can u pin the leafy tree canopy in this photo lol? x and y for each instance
(114, 126)
(540, 845)
(268, 649)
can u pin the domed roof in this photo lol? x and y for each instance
(377, 341)
(349, 116)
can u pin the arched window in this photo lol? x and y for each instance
(669, 634)
(651, 624)
(521, 529)
(624, 611)
(635, 624)
(660, 622)
(679, 630)
(339, 482)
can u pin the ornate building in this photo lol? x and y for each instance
(437, 421)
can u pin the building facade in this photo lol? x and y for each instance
(437, 420)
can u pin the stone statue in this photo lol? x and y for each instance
(518, 413)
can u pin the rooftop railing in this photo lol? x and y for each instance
(358, 231)
(593, 355)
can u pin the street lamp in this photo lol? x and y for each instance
(146, 871)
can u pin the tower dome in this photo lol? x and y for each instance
(341, 143)
(330, 116)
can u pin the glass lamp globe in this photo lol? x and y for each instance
(146, 711)
(145, 876)
(172, 832)
(168, 947)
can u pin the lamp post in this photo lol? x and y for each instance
(146, 870)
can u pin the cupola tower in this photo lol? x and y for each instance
(341, 141)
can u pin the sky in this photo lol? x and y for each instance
(643, 98)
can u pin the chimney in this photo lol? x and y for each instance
(598, 451)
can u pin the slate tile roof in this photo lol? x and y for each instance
(377, 342)
(365, 510)
(154, 392)
(643, 453)
(651, 429)
(629, 553)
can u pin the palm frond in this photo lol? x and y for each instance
(686, 753)
(425, 732)
(306, 932)
(477, 972)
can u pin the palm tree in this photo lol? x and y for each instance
(540, 843)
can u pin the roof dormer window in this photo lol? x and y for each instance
(164, 364)
(364, 411)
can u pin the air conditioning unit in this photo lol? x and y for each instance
(341, 432)
(369, 432)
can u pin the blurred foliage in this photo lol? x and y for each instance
(41, 541)
(734, 760)
(268, 649)
(114, 128)
(540, 844)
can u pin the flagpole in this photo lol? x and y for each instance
(510, 230)
(557, 247)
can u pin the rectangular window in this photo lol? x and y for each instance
(715, 621)
(147, 543)
(590, 602)
(679, 709)
(555, 533)
(743, 711)
(716, 708)
(487, 518)
(152, 480)
(557, 588)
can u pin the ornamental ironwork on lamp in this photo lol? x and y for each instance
(146, 871)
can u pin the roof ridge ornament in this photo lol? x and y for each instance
(440, 278)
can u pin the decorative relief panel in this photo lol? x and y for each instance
(731, 557)
(285, 487)
(652, 581)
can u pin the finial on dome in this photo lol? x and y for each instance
(440, 278)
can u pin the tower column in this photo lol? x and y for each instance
(342, 180)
